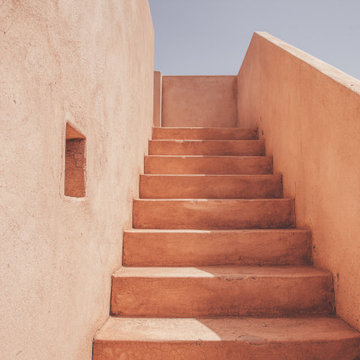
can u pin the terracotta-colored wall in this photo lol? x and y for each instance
(89, 63)
(309, 114)
(199, 101)
(157, 98)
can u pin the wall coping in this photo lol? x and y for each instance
(332, 72)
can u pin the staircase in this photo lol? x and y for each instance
(214, 267)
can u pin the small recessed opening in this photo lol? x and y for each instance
(74, 163)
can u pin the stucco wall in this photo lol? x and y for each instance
(157, 98)
(89, 63)
(309, 114)
(199, 101)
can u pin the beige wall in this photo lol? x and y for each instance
(199, 101)
(89, 63)
(309, 114)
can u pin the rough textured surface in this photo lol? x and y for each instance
(204, 133)
(231, 339)
(199, 101)
(221, 291)
(309, 114)
(157, 164)
(206, 147)
(210, 186)
(216, 247)
(237, 288)
(157, 98)
(89, 63)
(75, 163)
(213, 214)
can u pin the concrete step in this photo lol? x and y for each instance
(315, 338)
(207, 147)
(246, 165)
(210, 186)
(221, 291)
(213, 214)
(203, 133)
(216, 247)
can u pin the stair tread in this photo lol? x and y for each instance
(202, 127)
(240, 176)
(207, 147)
(213, 213)
(218, 141)
(209, 156)
(207, 164)
(231, 271)
(207, 248)
(193, 231)
(253, 330)
(216, 200)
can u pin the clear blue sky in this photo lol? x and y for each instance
(211, 36)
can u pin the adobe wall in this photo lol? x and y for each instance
(89, 63)
(309, 114)
(157, 98)
(199, 101)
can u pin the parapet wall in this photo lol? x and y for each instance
(199, 101)
(309, 114)
(88, 64)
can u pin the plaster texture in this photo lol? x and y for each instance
(207, 147)
(199, 101)
(190, 259)
(157, 98)
(210, 186)
(221, 291)
(246, 165)
(216, 247)
(226, 338)
(204, 133)
(213, 213)
(88, 63)
(309, 113)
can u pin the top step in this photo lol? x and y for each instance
(203, 133)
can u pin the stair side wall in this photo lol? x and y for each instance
(89, 63)
(309, 114)
(157, 98)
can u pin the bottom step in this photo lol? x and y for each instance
(315, 338)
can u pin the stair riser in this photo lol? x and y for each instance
(229, 350)
(221, 296)
(166, 133)
(210, 187)
(191, 249)
(213, 214)
(208, 165)
(218, 147)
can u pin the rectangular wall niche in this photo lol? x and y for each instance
(74, 163)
